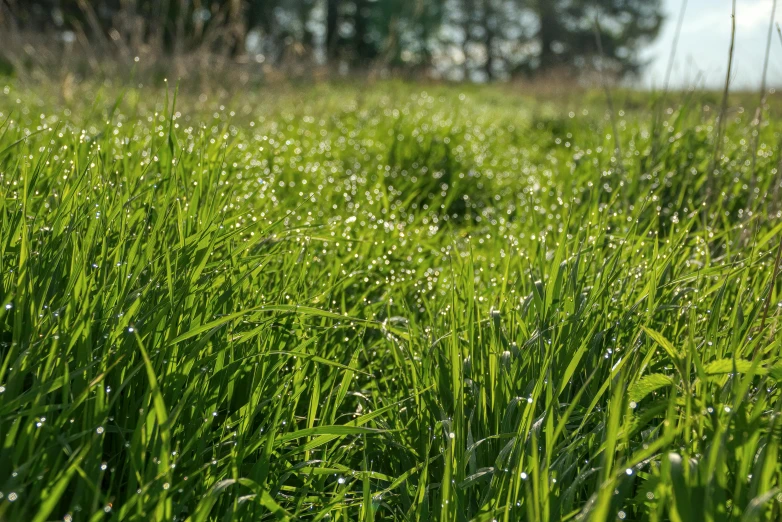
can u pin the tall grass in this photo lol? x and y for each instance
(385, 304)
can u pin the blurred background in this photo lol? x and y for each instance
(558, 41)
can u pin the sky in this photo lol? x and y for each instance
(702, 51)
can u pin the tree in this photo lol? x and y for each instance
(469, 39)
(466, 23)
(426, 20)
(489, 23)
(364, 49)
(332, 29)
(566, 33)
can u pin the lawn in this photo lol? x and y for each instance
(387, 302)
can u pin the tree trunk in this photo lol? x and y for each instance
(488, 40)
(332, 36)
(549, 29)
(236, 28)
(304, 15)
(467, 11)
(361, 33)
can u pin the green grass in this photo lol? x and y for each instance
(379, 303)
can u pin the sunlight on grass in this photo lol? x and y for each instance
(380, 303)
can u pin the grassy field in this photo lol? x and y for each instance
(387, 302)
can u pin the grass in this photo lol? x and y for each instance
(382, 303)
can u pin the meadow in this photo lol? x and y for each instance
(388, 302)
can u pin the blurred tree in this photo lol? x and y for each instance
(363, 47)
(427, 19)
(469, 39)
(466, 13)
(567, 39)
(489, 24)
(332, 29)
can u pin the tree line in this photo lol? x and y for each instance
(478, 40)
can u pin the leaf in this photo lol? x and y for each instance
(207, 502)
(663, 342)
(308, 310)
(681, 490)
(161, 412)
(327, 430)
(647, 384)
(480, 476)
(51, 496)
(208, 326)
(319, 360)
(722, 366)
(269, 503)
(775, 372)
(344, 386)
(303, 310)
(756, 506)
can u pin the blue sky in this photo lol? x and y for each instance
(705, 39)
